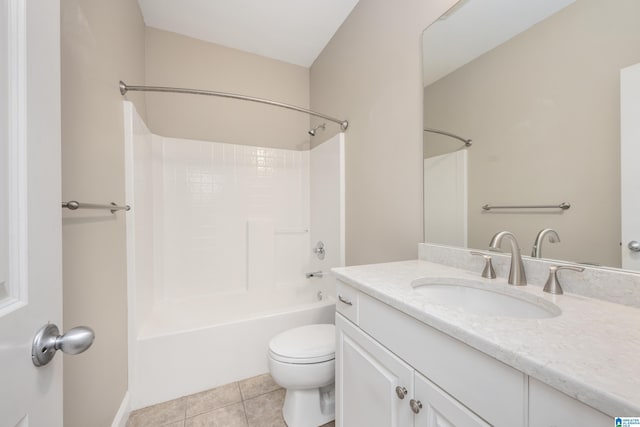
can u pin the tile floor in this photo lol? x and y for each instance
(254, 402)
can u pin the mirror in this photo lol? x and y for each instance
(535, 85)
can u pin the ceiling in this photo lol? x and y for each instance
(293, 31)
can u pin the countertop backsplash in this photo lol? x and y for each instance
(617, 286)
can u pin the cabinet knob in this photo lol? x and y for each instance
(401, 392)
(416, 405)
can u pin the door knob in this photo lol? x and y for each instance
(416, 406)
(634, 246)
(48, 340)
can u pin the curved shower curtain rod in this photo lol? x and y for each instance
(124, 88)
(467, 142)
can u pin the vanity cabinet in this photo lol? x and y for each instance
(369, 376)
(550, 408)
(376, 388)
(386, 358)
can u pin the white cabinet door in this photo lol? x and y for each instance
(367, 377)
(439, 409)
(30, 213)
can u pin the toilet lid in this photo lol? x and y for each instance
(306, 344)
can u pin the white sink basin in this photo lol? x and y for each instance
(474, 297)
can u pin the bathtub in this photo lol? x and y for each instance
(218, 245)
(192, 345)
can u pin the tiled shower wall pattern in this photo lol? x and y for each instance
(226, 218)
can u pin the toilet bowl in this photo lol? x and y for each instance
(302, 361)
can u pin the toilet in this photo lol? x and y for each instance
(302, 361)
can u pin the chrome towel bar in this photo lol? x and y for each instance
(74, 205)
(563, 206)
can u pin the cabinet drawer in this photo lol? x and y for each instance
(347, 303)
(491, 389)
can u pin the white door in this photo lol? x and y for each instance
(630, 165)
(373, 386)
(30, 217)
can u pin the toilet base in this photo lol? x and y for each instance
(310, 407)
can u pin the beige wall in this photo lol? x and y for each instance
(544, 112)
(180, 61)
(371, 74)
(102, 42)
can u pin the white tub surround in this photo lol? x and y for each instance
(589, 352)
(219, 239)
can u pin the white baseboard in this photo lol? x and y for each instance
(123, 412)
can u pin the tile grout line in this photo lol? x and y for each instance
(262, 394)
(242, 400)
(244, 407)
(244, 410)
(219, 407)
(186, 398)
(246, 416)
(186, 405)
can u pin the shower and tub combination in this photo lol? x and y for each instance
(220, 241)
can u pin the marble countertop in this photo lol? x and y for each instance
(591, 351)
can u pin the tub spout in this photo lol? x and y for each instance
(314, 274)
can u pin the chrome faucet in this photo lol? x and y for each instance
(536, 252)
(516, 273)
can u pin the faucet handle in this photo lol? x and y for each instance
(553, 285)
(488, 272)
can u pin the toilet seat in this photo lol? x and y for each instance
(304, 345)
